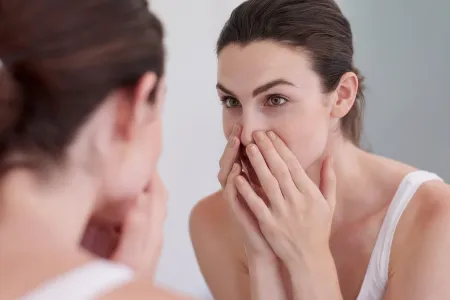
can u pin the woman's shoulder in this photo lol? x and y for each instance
(427, 218)
(143, 289)
(429, 195)
(211, 216)
(432, 199)
(212, 228)
(211, 210)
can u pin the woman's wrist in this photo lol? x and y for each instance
(314, 276)
(265, 278)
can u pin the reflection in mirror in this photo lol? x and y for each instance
(313, 204)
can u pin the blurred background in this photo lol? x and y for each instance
(402, 48)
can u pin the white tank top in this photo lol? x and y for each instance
(376, 278)
(90, 281)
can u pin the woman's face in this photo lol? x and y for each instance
(268, 86)
(130, 159)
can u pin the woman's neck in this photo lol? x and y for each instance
(57, 210)
(357, 175)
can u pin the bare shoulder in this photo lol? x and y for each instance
(430, 203)
(427, 218)
(143, 289)
(211, 220)
(219, 248)
(212, 208)
(419, 266)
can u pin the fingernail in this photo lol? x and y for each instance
(235, 168)
(271, 135)
(259, 136)
(252, 149)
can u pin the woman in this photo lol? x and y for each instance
(81, 91)
(313, 216)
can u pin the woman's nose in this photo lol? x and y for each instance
(246, 135)
(250, 122)
(247, 132)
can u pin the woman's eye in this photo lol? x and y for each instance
(276, 101)
(230, 102)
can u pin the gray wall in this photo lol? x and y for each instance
(403, 48)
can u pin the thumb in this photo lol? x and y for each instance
(328, 181)
(133, 238)
(142, 233)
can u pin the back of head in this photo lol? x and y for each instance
(317, 26)
(60, 60)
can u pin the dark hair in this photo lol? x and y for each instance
(60, 60)
(317, 26)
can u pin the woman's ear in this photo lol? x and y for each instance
(146, 88)
(134, 107)
(345, 95)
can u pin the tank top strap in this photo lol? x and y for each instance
(85, 282)
(377, 273)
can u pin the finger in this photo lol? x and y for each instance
(156, 215)
(234, 133)
(254, 202)
(142, 231)
(276, 165)
(328, 181)
(268, 181)
(132, 242)
(231, 193)
(229, 188)
(298, 174)
(139, 245)
(238, 206)
(229, 158)
(242, 212)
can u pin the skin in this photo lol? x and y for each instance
(108, 180)
(334, 188)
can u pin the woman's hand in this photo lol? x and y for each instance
(297, 225)
(138, 241)
(230, 168)
(297, 220)
(263, 265)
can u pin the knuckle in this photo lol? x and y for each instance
(283, 210)
(273, 193)
(283, 173)
(293, 164)
(266, 223)
(272, 182)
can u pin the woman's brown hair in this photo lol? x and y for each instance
(317, 26)
(60, 59)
